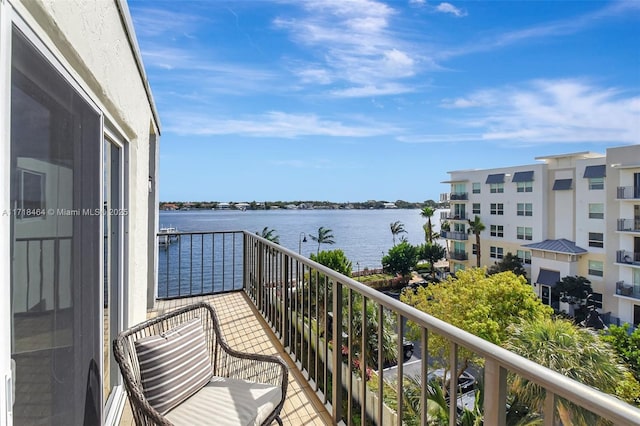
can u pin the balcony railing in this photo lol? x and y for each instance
(454, 235)
(629, 225)
(199, 263)
(454, 216)
(627, 289)
(297, 296)
(627, 257)
(628, 192)
(455, 196)
(458, 255)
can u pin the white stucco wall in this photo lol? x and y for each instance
(90, 40)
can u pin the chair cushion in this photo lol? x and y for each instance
(174, 365)
(227, 402)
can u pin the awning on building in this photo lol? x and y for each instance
(599, 171)
(496, 178)
(562, 184)
(547, 277)
(523, 176)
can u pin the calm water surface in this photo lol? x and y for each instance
(364, 235)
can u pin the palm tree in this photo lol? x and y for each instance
(576, 353)
(427, 212)
(324, 236)
(476, 227)
(269, 234)
(397, 228)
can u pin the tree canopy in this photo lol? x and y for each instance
(509, 262)
(334, 259)
(575, 352)
(401, 259)
(482, 305)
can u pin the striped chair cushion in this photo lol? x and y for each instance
(174, 365)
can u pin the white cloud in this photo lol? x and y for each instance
(354, 45)
(449, 8)
(543, 111)
(273, 124)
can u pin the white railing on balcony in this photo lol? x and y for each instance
(629, 225)
(308, 304)
(454, 235)
(628, 192)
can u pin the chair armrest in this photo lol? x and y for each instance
(252, 367)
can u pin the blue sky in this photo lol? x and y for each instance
(355, 100)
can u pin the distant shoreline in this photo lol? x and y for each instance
(298, 205)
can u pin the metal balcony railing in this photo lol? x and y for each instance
(307, 304)
(458, 255)
(628, 192)
(629, 225)
(196, 263)
(455, 216)
(627, 257)
(456, 196)
(454, 235)
(627, 289)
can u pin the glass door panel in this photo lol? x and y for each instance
(55, 250)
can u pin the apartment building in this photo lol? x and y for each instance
(567, 215)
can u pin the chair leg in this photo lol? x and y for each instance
(279, 420)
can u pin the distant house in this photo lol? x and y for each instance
(241, 206)
(390, 206)
(223, 206)
(169, 206)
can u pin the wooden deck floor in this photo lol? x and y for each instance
(246, 331)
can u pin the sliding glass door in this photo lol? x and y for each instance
(56, 245)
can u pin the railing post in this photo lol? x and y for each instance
(260, 279)
(336, 356)
(495, 393)
(453, 383)
(549, 408)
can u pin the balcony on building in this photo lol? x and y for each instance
(459, 196)
(453, 216)
(627, 289)
(458, 255)
(625, 257)
(628, 225)
(628, 193)
(273, 300)
(454, 235)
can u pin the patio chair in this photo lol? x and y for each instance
(178, 370)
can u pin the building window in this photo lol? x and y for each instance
(596, 268)
(496, 188)
(496, 252)
(596, 183)
(525, 209)
(31, 194)
(474, 249)
(524, 233)
(459, 227)
(497, 231)
(497, 208)
(525, 186)
(596, 239)
(524, 256)
(476, 208)
(596, 211)
(596, 300)
(475, 187)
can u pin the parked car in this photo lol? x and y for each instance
(466, 382)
